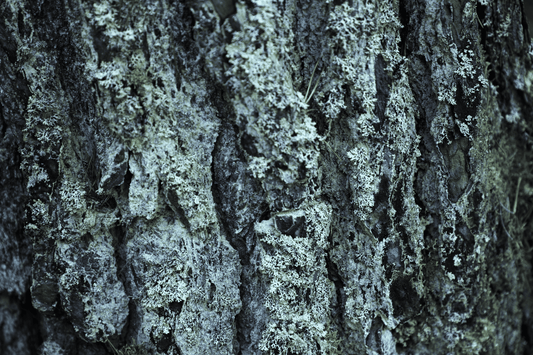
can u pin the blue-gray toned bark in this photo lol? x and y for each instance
(265, 177)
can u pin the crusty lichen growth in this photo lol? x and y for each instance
(292, 250)
(142, 102)
(277, 134)
(155, 99)
(185, 178)
(132, 147)
(177, 289)
(91, 293)
(378, 242)
(281, 145)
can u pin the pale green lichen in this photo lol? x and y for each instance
(152, 142)
(144, 189)
(177, 294)
(91, 293)
(169, 125)
(352, 39)
(366, 176)
(266, 103)
(169, 269)
(73, 195)
(299, 293)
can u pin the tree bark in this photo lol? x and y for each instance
(265, 177)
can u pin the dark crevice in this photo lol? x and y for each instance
(481, 10)
(333, 276)
(224, 8)
(319, 119)
(214, 189)
(248, 144)
(118, 232)
(404, 20)
(183, 30)
(499, 67)
(527, 335)
(119, 239)
(20, 24)
(266, 213)
(105, 54)
(222, 218)
(465, 105)
(145, 49)
(176, 307)
(525, 24)
(373, 339)
(176, 207)
(293, 227)
(32, 318)
(3, 124)
(340, 2)
(405, 299)
(236, 242)
(241, 324)
(125, 187)
(7, 40)
(129, 327)
(383, 81)
(425, 100)
(164, 343)
(338, 305)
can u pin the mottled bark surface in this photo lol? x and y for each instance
(265, 177)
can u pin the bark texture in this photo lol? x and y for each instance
(265, 177)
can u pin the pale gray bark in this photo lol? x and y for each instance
(265, 177)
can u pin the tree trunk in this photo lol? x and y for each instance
(266, 177)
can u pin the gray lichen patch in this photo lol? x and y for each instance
(292, 264)
(180, 291)
(183, 300)
(277, 135)
(143, 189)
(157, 120)
(367, 162)
(378, 239)
(90, 291)
(264, 177)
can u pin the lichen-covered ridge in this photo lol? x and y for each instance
(266, 177)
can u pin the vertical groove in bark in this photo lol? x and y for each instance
(171, 177)
(15, 248)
